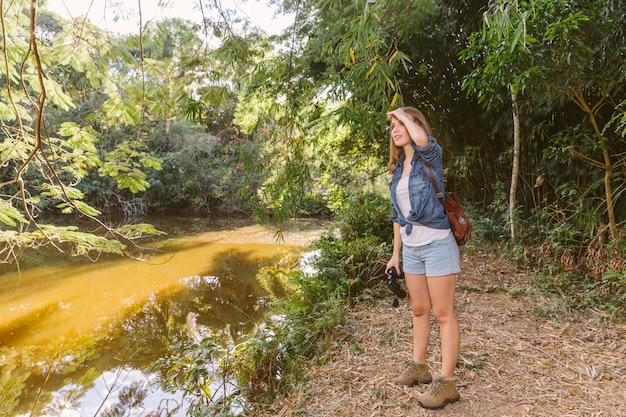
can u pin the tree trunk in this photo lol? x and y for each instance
(515, 168)
(607, 165)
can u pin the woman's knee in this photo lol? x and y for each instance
(420, 309)
(444, 315)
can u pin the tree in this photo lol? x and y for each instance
(41, 166)
(328, 91)
(556, 51)
(587, 66)
(501, 51)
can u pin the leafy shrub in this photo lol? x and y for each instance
(583, 292)
(347, 267)
(205, 173)
(270, 364)
(313, 204)
(366, 214)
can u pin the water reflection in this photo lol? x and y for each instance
(80, 340)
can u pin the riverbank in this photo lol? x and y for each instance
(520, 356)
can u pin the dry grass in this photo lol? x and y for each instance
(513, 362)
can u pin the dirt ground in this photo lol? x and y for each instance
(516, 359)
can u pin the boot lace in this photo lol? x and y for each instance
(433, 389)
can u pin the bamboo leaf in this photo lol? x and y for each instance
(393, 56)
(372, 68)
(391, 84)
(394, 99)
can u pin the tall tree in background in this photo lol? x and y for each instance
(556, 51)
(503, 64)
(586, 65)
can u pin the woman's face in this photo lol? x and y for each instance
(399, 133)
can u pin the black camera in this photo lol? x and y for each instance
(392, 283)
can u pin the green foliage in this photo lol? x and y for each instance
(324, 114)
(138, 230)
(65, 238)
(82, 243)
(205, 173)
(125, 163)
(490, 224)
(283, 160)
(366, 214)
(70, 239)
(348, 267)
(314, 108)
(543, 50)
(9, 215)
(200, 369)
(62, 71)
(269, 364)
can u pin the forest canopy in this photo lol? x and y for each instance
(527, 98)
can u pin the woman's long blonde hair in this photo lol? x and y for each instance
(395, 151)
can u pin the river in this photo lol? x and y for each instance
(77, 336)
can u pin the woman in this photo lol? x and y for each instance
(430, 255)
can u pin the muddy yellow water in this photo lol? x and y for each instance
(67, 324)
(43, 304)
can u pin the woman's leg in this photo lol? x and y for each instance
(417, 287)
(441, 290)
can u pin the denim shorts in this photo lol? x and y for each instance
(438, 258)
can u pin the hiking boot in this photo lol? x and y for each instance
(415, 373)
(440, 393)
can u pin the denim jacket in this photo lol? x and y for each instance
(426, 209)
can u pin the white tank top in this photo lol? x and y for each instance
(420, 235)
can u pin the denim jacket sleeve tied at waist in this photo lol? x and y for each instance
(426, 210)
